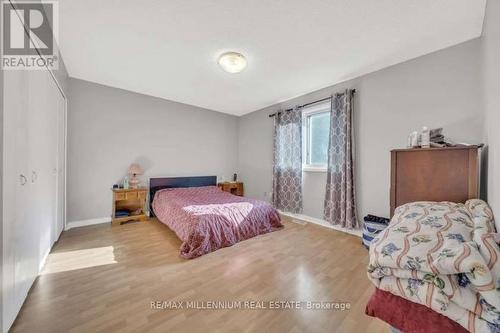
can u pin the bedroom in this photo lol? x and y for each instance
(222, 111)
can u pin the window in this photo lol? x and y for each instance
(316, 130)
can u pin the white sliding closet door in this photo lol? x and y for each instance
(20, 259)
(43, 155)
(27, 228)
(33, 188)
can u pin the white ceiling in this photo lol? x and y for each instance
(169, 48)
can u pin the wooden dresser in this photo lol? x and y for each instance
(434, 174)
(131, 200)
(235, 188)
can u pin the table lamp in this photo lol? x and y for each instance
(134, 170)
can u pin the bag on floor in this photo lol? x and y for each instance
(372, 226)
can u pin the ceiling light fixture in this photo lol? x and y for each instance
(232, 62)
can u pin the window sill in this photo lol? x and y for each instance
(314, 169)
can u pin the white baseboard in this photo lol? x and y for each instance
(323, 223)
(83, 223)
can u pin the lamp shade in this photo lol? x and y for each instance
(135, 169)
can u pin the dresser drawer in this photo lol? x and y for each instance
(131, 195)
(141, 195)
(119, 196)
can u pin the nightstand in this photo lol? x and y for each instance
(235, 188)
(132, 201)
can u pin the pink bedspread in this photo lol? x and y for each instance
(206, 218)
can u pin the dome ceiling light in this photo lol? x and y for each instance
(232, 62)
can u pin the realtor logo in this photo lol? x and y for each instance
(28, 40)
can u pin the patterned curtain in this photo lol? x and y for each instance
(287, 169)
(340, 205)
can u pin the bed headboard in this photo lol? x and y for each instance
(156, 184)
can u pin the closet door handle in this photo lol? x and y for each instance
(23, 179)
(34, 176)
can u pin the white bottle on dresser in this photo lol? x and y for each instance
(425, 138)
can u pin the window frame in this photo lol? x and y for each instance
(307, 112)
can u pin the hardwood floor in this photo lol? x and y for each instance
(103, 279)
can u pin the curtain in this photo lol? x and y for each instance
(340, 205)
(287, 169)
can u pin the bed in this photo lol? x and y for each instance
(204, 217)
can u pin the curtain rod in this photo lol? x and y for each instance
(307, 104)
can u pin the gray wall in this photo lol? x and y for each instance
(439, 89)
(110, 128)
(491, 70)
